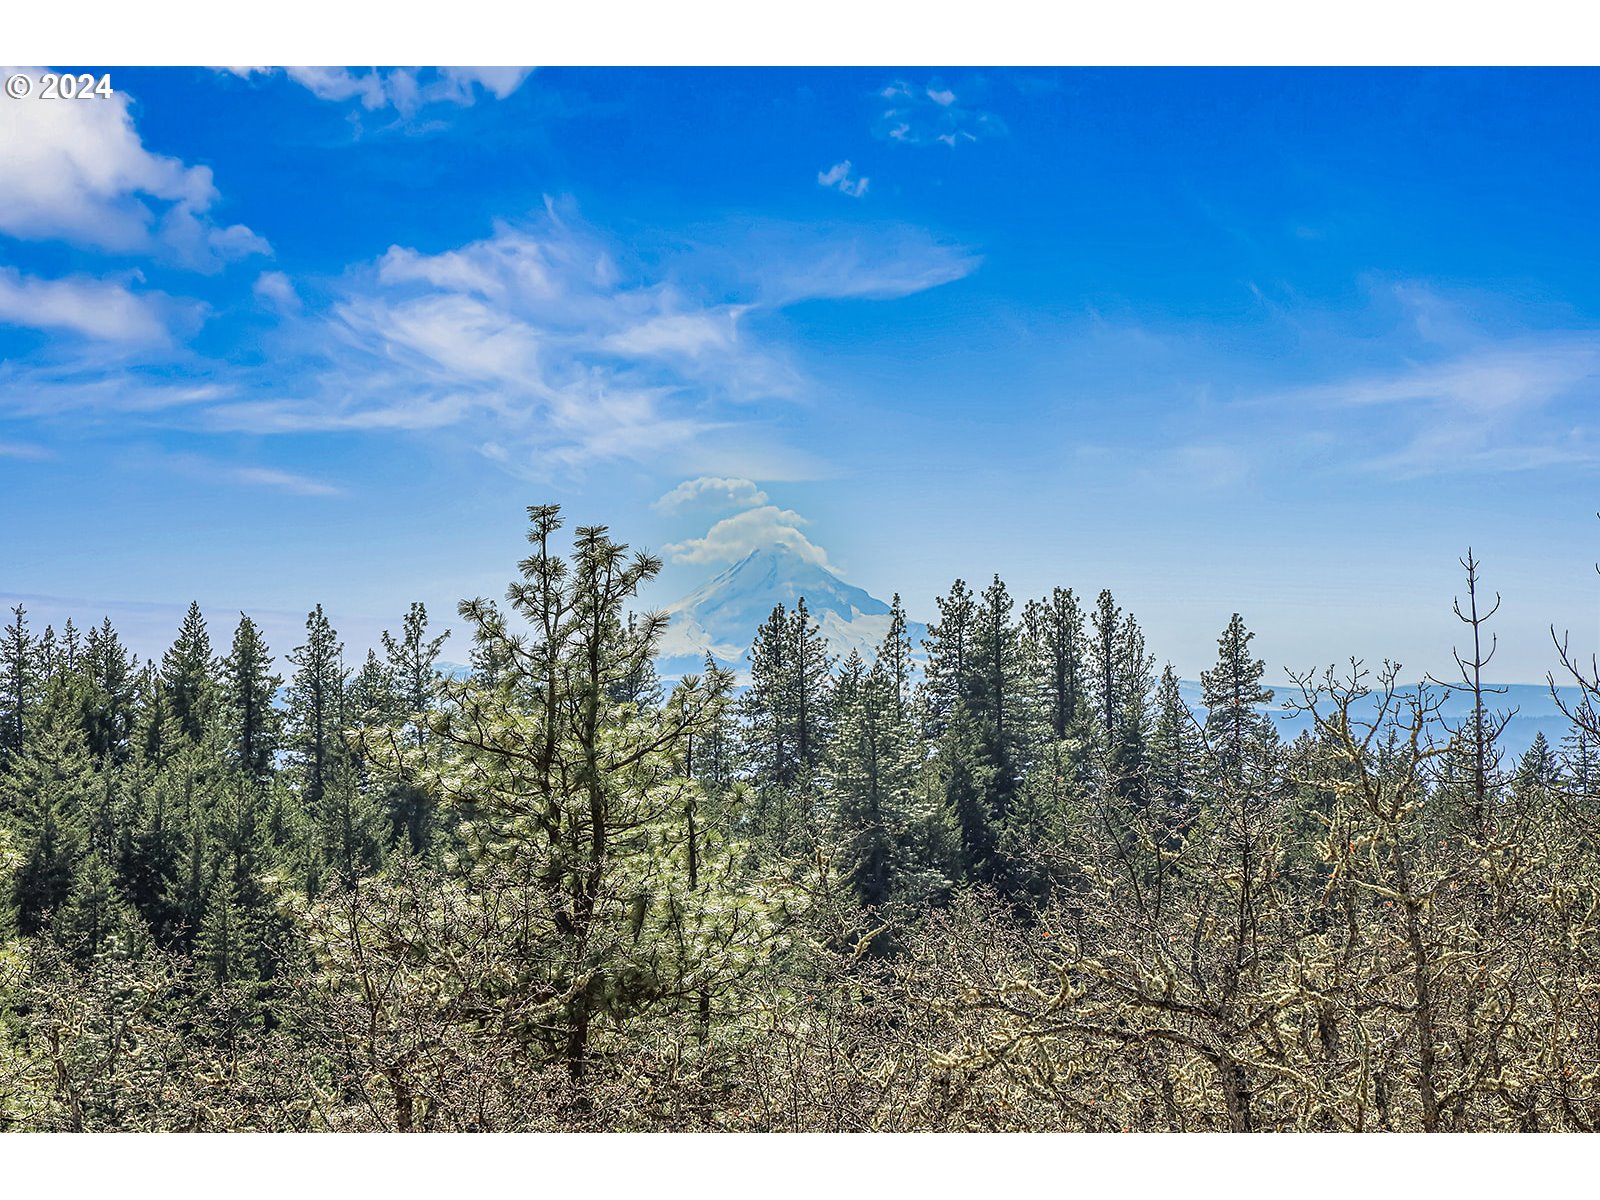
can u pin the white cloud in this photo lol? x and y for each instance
(498, 81)
(95, 308)
(405, 89)
(734, 537)
(548, 340)
(78, 171)
(198, 466)
(838, 176)
(24, 450)
(713, 492)
(882, 262)
(274, 288)
(922, 115)
(283, 481)
(1499, 406)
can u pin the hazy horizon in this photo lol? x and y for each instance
(1281, 342)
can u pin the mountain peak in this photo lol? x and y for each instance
(721, 616)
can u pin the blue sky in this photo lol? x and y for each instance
(1285, 342)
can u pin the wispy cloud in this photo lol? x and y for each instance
(198, 466)
(1512, 405)
(791, 263)
(283, 481)
(546, 346)
(79, 172)
(24, 450)
(406, 90)
(838, 177)
(931, 113)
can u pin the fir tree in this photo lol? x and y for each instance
(1173, 755)
(248, 691)
(895, 654)
(870, 779)
(19, 681)
(110, 695)
(188, 677)
(948, 644)
(47, 790)
(413, 670)
(316, 700)
(1240, 734)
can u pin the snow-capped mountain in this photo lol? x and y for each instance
(722, 615)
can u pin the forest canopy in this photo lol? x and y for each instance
(1007, 879)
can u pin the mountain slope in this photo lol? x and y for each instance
(722, 615)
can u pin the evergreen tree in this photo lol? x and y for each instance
(1580, 754)
(110, 695)
(769, 720)
(1240, 734)
(188, 677)
(412, 662)
(966, 781)
(47, 790)
(19, 681)
(1173, 758)
(812, 679)
(248, 691)
(150, 848)
(223, 944)
(872, 776)
(895, 655)
(316, 701)
(787, 717)
(586, 798)
(1538, 768)
(1120, 696)
(948, 645)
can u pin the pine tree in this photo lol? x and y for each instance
(948, 644)
(787, 717)
(222, 945)
(151, 724)
(966, 782)
(413, 660)
(1056, 651)
(1239, 732)
(1173, 755)
(248, 691)
(1580, 755)
(1538, 768)
(586, 798)
(94, 911)
(871, 777)
(316, 698)
(413, 669)
(19, 682)
(47, 790)
(895, 655)
(149, 851)
(1120, 696)
(769, 720)
(110, 695)
(188, 677)
(811, 681)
